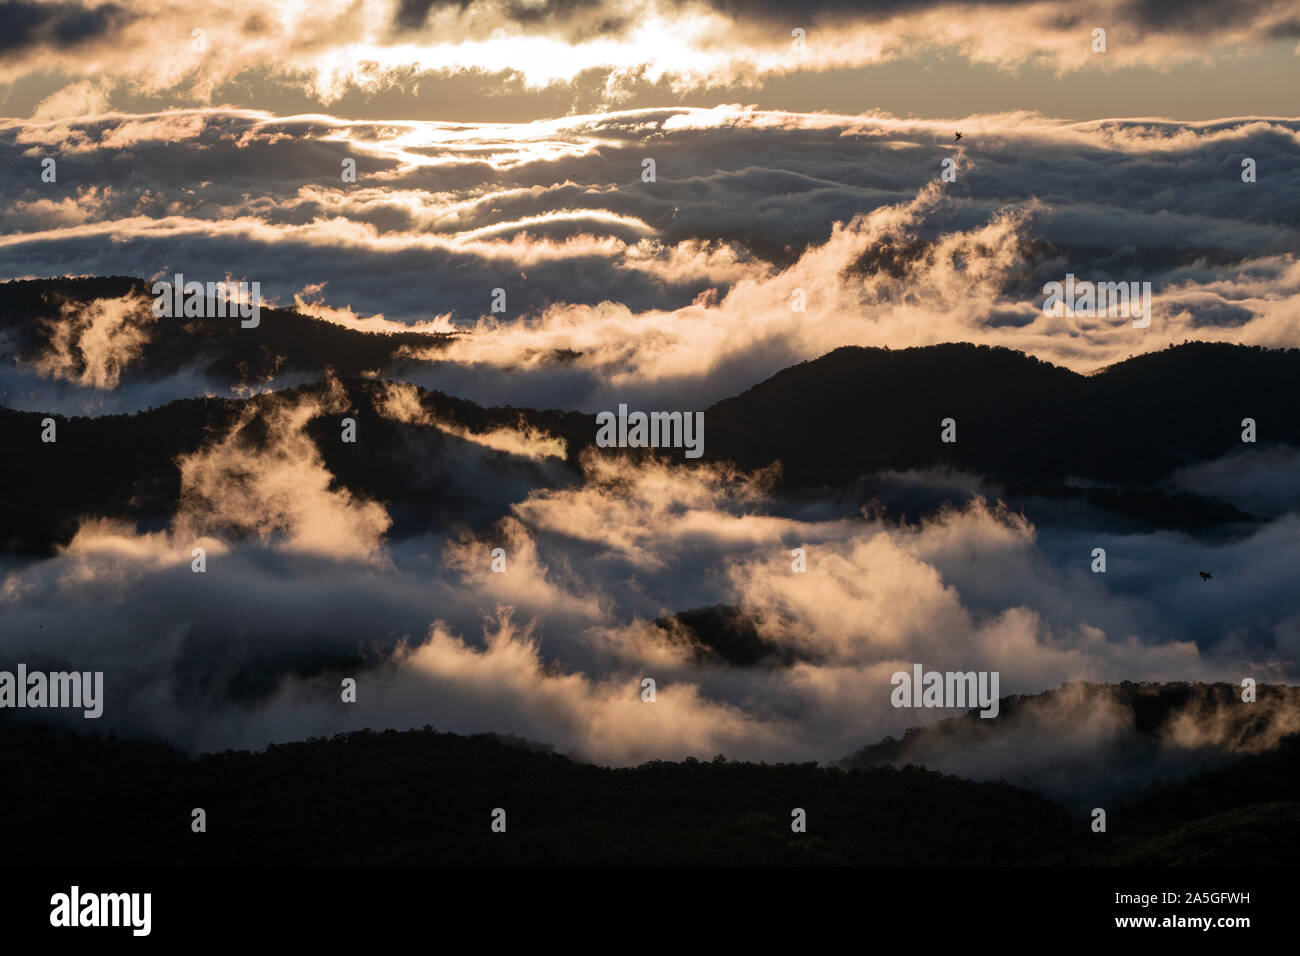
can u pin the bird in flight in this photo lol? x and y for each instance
(957, 137)
(1205, 575)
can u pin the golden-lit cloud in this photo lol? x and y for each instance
(330, 49)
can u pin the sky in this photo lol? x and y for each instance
(482, 60)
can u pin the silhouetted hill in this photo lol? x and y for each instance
(1264, 834)
(1020, 421)
(126, 466)
(1036, 432)
(424, 797)
(218, 348)
(1248, 781)
(1150, 710)
(1145, 735)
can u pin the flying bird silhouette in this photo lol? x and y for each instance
(1205, 575)
(957, 137)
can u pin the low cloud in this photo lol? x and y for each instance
(303, 588)
(687, 290)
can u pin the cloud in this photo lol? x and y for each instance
(1267, 483)
(76, 99)
(92, 345)
(683, 290)
(1055, 743)
(24, 24)
(303, 587)
(401, 402)
(603, 48)
(277, 489)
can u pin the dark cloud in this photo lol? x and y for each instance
(1202, 16)
(1180, 16)
(411, 14)
(1288, 29)
(25, 24)
(777, 11)
(577, 20)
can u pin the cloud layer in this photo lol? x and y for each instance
(598, 51)
(686, 289)
(302, 588)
